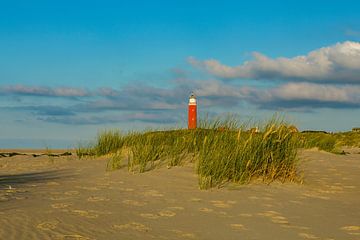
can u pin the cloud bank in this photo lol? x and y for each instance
(43, 91)
(290, 96)
(307, 96)
(159, 118)
(154, 104)
(325, 78)
(339, 63)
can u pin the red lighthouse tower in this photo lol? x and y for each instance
(192, 112)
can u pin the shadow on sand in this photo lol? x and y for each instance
(7, 181)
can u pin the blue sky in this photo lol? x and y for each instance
(71, 68)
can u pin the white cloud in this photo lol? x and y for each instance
(324, 93)
(336, 63)
(70, 92)
(288, 95)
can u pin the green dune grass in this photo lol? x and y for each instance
(222, 150)
(330, 142)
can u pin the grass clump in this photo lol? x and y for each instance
(115, 162)
(85, 151)
(241, 156)
(109, 141)
(144, 152)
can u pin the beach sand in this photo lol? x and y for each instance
(67, 198)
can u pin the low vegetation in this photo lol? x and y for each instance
(351, 139)
(221, 150)
(321, 140)
(330, 142)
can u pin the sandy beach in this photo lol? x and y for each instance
(66, 198)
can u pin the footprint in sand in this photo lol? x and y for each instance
(308, 236)
(72, 237)
(61, 205)
(332, 189)
(245, 215)
(222, 204)
(279, 219)
(195, 200)
(97, 199)
(20, 198)
(52, 183)
(163, 213)
(153, 193)
(352, 230)
(88, 188)
(103, 185)
(56, 193)
(59, 198)
(237, 226)
(83, 213)
(167, 213)
(326, 191)
(127, 189)
(176, 208)
(223, 214)
(134, 203)
(48, 225)
(158, 215)
(132, 226)
(295, 227)
(275, 217)
(297, 202)
(71, 193)
(101, 212)
(183, 234)
(206, 210)
(315, 195)
(149, 215)
(187, 235)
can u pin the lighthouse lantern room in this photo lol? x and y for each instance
(192, 112)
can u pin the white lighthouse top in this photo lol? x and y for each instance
(192, 99)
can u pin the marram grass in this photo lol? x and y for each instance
(330, 142)
(222, 150)
(241, 156)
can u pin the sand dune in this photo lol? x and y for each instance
(67, 198)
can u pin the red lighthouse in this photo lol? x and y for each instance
(192, 112)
